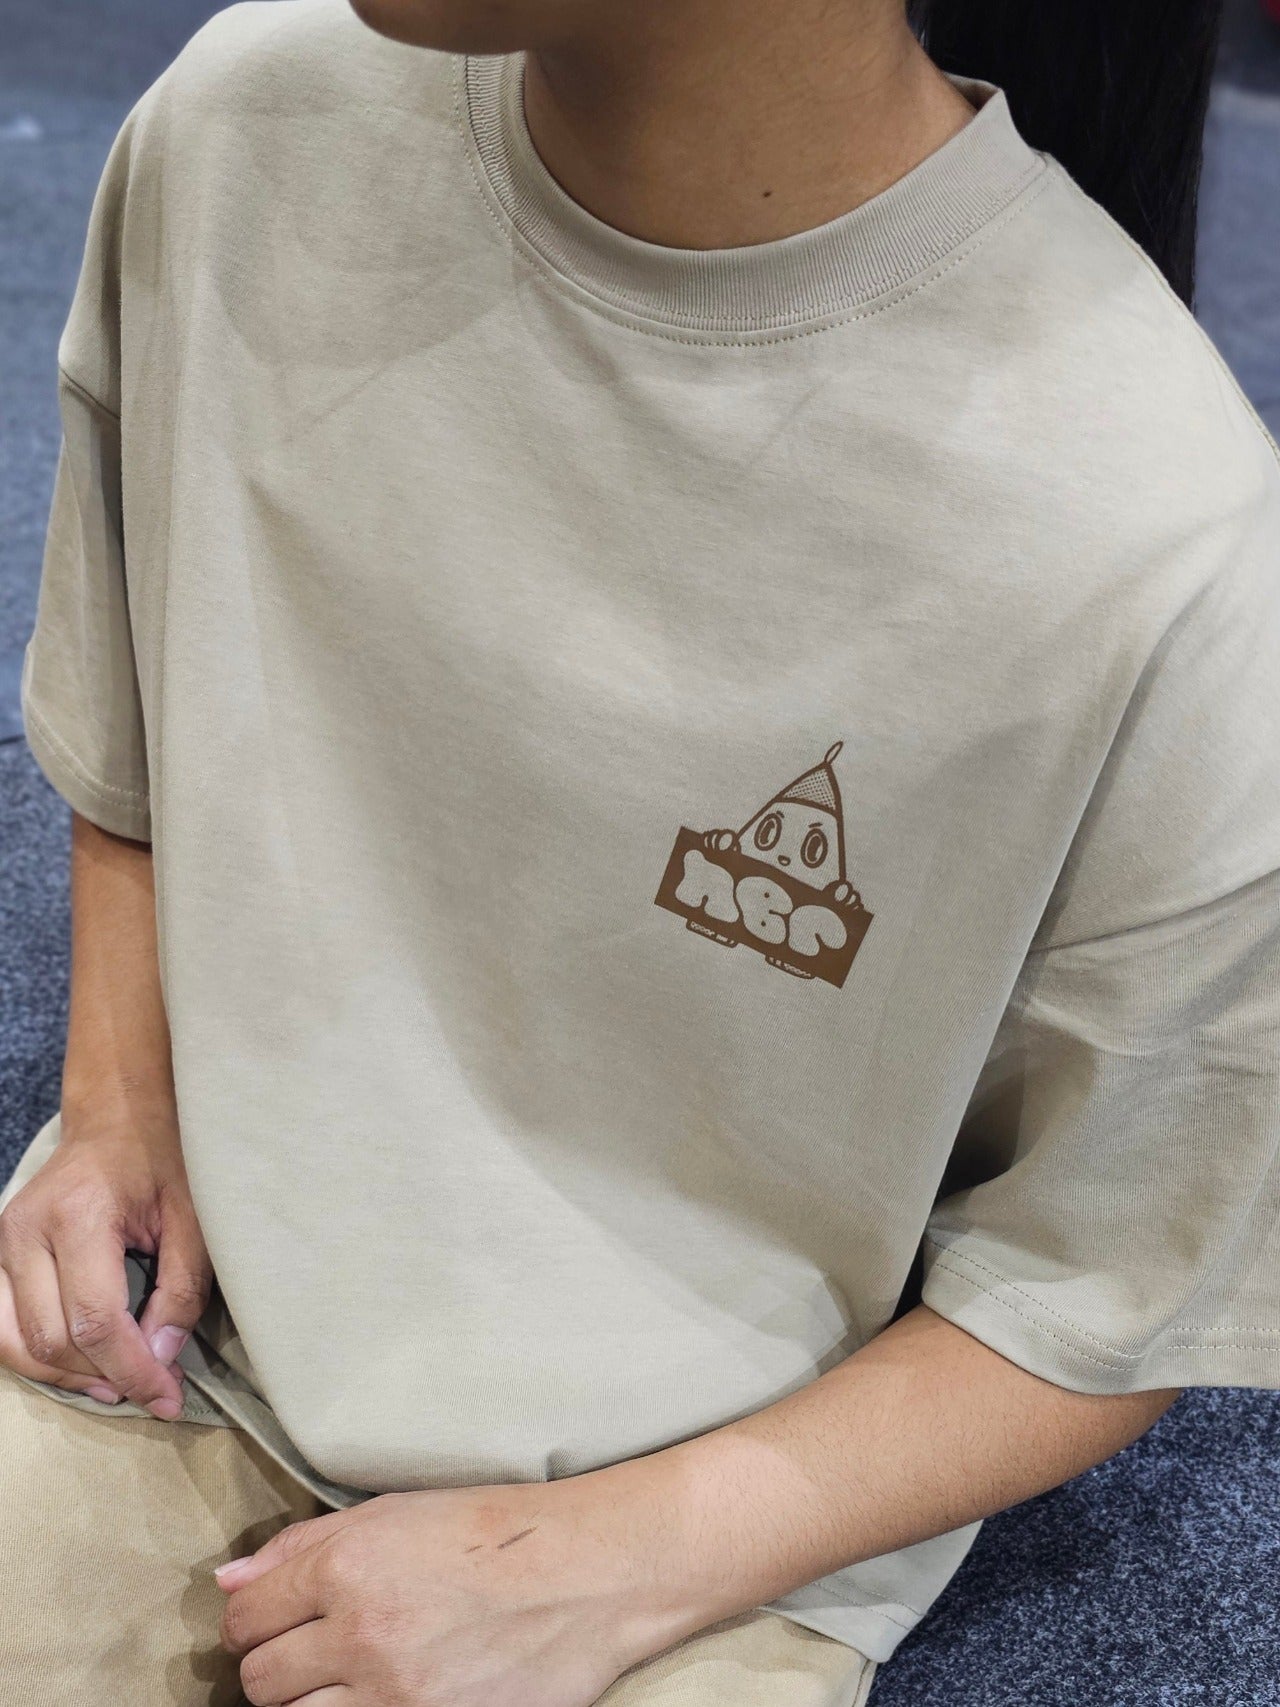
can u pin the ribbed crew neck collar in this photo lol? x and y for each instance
(785, 283)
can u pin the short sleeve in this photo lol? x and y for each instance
(1110, 1218)
(81, 701)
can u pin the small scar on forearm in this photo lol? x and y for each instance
(519, 1536)
(509, 1542)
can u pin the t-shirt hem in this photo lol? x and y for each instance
(121, 811)
(875, 1631)
(1008, 1319)
(244, 1410)
(195, 1405)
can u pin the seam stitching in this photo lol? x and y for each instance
(1218, 358)
(1021, 197)
(871, 1605)
(948, 1256)
(1198, 1340)
(80, 770)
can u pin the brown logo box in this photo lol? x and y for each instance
(769, 931)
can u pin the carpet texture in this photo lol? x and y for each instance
(1151, 1581)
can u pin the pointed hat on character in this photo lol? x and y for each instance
(818, 788)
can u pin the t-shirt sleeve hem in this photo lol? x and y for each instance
(120, 811)
(1005, 1317)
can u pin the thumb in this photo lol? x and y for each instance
(184, 1278)
(286, 1544)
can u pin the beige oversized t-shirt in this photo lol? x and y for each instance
(680, 782)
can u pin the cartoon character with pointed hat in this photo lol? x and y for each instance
(801, 830)
(778, 884)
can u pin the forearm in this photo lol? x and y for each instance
(118, 1049)
(923, 1430)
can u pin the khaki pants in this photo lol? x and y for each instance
(109, 1531)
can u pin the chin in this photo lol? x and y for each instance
(455, 26)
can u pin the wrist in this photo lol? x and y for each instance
(103, 1102)
(682, 1535)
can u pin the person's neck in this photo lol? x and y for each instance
(707, 134)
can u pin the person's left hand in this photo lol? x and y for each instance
(519, 1595)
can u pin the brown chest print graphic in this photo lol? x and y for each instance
(778, 884)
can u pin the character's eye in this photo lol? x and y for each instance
(813, 850)
(768, 830)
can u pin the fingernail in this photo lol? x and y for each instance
(168, 1410)
(231, 1564)
(166, 1343)
(104, 1394)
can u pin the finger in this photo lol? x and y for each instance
(281, 1599)
(184, 1278)
(95, 1300)
(15, 1355)
(37, 1302)
(304, 1659)
(339, 1695)
(287, 1543)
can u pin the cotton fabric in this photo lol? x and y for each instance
(110, 1529)
(119, 1524)
(681, 782)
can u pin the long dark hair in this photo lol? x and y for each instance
(1116, 90)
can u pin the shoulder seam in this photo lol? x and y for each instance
(1149, 265)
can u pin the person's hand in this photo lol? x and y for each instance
(844, 894)
(524, 1595)
(113, 1183)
